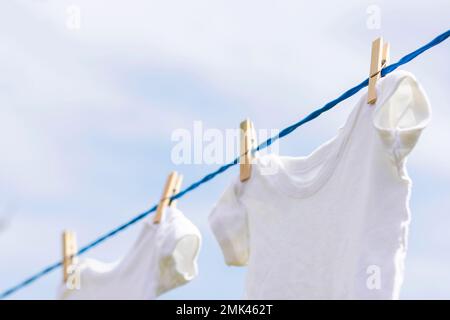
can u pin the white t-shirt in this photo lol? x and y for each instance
(332, 225)
(163, 258)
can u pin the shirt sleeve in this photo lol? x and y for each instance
(402, 117)
(228, 222)
(178, 262)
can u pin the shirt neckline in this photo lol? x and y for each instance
(327, 154)
(289, 178)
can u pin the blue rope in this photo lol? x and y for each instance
(224, 168)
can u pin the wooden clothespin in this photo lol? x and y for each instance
(380, 58)
(172, 187)
(248, 142)
(69, 251)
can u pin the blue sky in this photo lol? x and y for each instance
(86, 117)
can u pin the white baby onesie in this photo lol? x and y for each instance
(163, 258)
(332, 225)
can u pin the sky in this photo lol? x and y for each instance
(88, 108)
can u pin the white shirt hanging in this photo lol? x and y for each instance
(163, 258)
(334, 224)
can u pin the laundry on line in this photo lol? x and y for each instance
(386, 70)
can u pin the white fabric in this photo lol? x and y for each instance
(332, 225)
(163, 258)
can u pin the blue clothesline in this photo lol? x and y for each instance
(225, 167)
